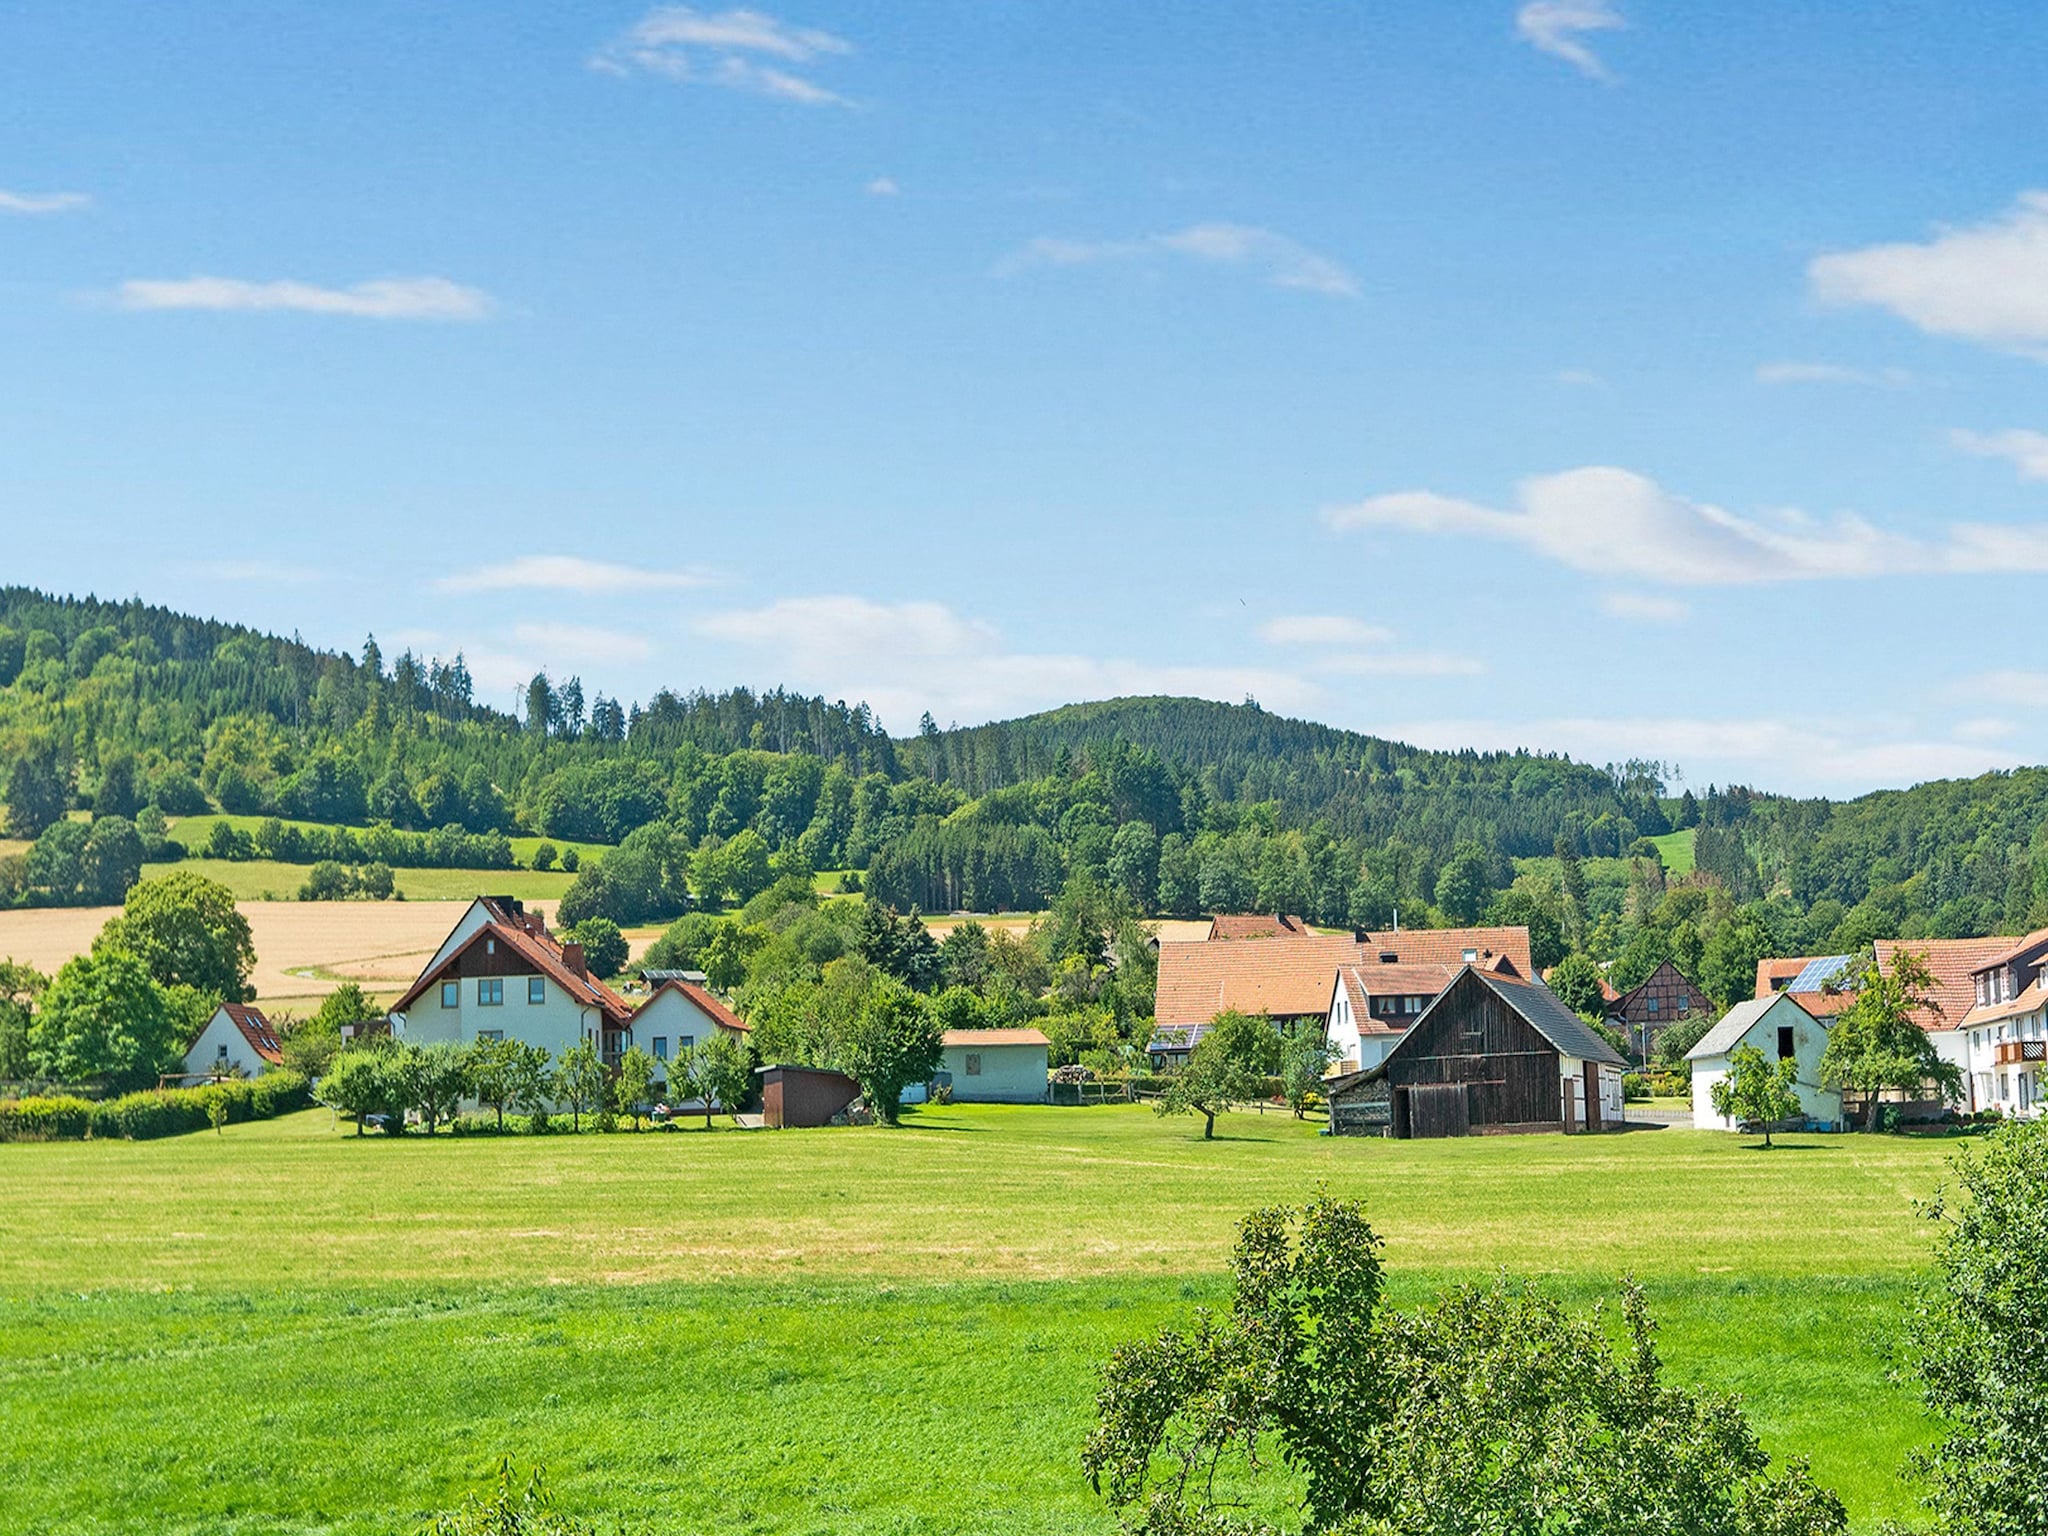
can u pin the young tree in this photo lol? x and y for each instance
(1493, 1411)
(310, 1045)
(892, 1042)
(582, 1080)
(1305, 1055)
(493, 1073)
(1756, 1091)
(434, 1078)
(1208, 1085)
(633, 1084)
(104, 1019)
(184, 928)
(358, 1084)
(1576, 981)
(532, 1085)
(1981, 1341)
(1249, 1039)
(721, 1072)
(1876, 1044)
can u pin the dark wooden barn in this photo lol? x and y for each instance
(793, 1097)
(1494, 1054)
(1665, 998)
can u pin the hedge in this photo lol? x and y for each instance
(157, 1112)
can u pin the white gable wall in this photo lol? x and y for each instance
(1810, 1038)
(223, 1048)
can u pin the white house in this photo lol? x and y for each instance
(676, 1018)
(236, 1042)
(995, 1066)
(502, 976)
(1371, 1007)
(2004, 1033)
(1780, 1028)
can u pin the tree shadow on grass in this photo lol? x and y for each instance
(1789, 1146)
(951, 1130)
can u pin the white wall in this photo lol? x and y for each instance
(1010, 1074)
(1819, 1105)
(557, 1023)
(1340, 1028)
(205, 1056)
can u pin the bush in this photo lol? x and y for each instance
(1634, 1088)
(57, 1117)
(153, 1113)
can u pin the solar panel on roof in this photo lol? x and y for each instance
(1816, 974)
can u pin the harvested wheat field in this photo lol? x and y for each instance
(304, 949)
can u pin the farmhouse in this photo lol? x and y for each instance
(1781, 1028)
(676, 1018)
(236, 1042)
(1955, 965)
(500, 975)
(1497, 1053)
(1665, 997)
(2004, 1033)
(1371, 1007)
(995, 1066)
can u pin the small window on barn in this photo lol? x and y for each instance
(974, 1063)
(536, 989)
(1786, 1049)
(451, 994)
(1651, 1004)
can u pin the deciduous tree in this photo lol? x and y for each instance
(892, 1042)
(185, 929)
(1756, 1091)
(1208, 1085)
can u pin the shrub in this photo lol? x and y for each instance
(44, 1118)
(154, 1112)
(1634, 1088)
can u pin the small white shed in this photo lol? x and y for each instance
(1780, 1028)
(995, 1066)
(236, 1042)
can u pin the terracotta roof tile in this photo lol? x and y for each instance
(1778, 971)
(1279, 977)
(256, 1030)
(708, 1004)
(1953, 963)
(1447, 946)
(542, 951)
(964, 1037)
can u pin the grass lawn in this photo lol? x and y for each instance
(268, 880)
(290, 1329)
(1676, 849)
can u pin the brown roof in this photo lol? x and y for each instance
(255, 1029)
(1823, 1005)
(719, 1014)
(2026, 1000)
(544, 952)
(1278, 977)
(1953, 963)
(1361, 981)
(1256, 925)
(954, 1037)
(1447, 946)
(1779, 971)
(2024, 949)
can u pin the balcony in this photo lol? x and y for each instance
(2013, 1052)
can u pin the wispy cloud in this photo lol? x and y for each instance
(1556, 27)
(909, 657)
(743, 50)
(1647, 607)
(581, 642)
(1614, 522)
(1322, 629)
(1984, 282)
(2013, 686)
(1275, 258)
(568, 573)
(1831, 373)
(2026, 451)
(398, 298)
(882, 186)
(32, 203)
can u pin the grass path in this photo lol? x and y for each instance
(285, 1328)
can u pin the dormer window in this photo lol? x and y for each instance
(1471, 956)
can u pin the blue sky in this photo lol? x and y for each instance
(1612, 378)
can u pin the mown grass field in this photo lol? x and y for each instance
(289, 1329)
(193, 831)
(269, 880)
(1676, 849)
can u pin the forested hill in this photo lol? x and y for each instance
(133, 712)
(1359, 786)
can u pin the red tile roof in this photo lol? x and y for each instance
(1447, 946)
(1779, 971)
(256, 1030)
(1953, 963)
(706, 1003)
(1294, 978)
(955, 1037)
(2024, 949)
(543, 952)
(1256, 925)
(1361, 981)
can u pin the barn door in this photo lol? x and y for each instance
(1592, 1095)
(1569, 1088)
(1439, 1109)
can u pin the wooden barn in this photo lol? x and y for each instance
(1496, 1054)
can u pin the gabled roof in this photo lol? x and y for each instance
(953, 1037)
(2025, 949)
(1360, 982)
(1622, 1001)
(1546, 1013)
(256, 1030)
(1278, 977)
(1446, 947)
(705, 1002)
(535, 945)
(1953, 964)
(1256, 925)
(1737, 1022)
(2033, 995)
(1774, 975)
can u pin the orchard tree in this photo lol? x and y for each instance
(358, 1084)
(1756, 1091)
(1249, 1039)
(582, 1080)
(434, 1079)
(1877, 1043)
(633, 1083)
(532, 1085)
(1208, 1085)
(1305, 1055)
(721, 1072)
(892, 1042)
(493, 1073)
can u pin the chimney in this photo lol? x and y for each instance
(572, 957)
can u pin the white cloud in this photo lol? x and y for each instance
(2027, 451)
(43, 202)
(1831, 373)
(2012, 686)
(582, 642)
(728, 48)
(568, 573)
(1807, 755)
(906, 658)
(401, 298)
(1556, 26)
(1322, 629)
(882, 186)
(1985, 282)
(1646, 606)
(1985, 729)
(1278, 260)
(1614, 522)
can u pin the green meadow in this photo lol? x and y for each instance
(289, 1328)
(270, 880)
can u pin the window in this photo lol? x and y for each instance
(1471, 955)
(490, 1034)
(222, 1054)
(490, 946)
(1650, 1003)
(536, 989)
(490, 992)
(686, 1042)
(661, 1047)
(1786, 1049)
(974, 1063)
(451, 994)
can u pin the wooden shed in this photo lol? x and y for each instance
(798, 1097)
(1496, 1054)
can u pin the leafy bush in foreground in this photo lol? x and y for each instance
(155, 1112)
